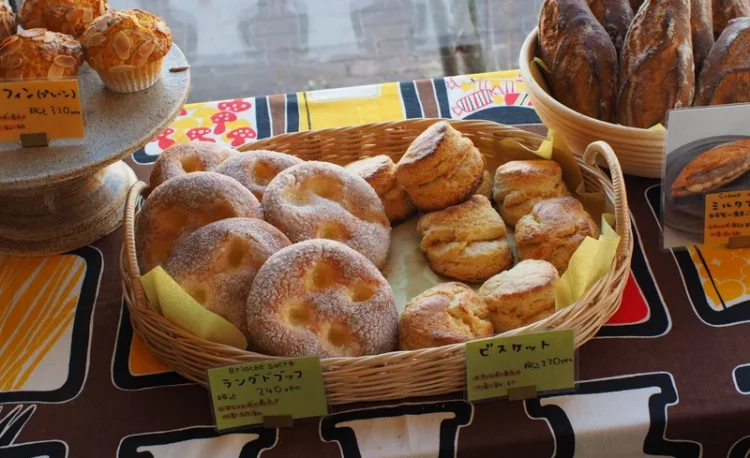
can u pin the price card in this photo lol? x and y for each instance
(545, 360)
(244, 394)
(727, 216)
(51, 107)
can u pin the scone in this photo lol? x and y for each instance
(485, 189)
(380, 173)
(520, 296)
(445, 314)
(184, 158)
(217, 264)
(519, 185)
(553, 231)
(320, 297)
(466, 241)
(713, 169)
(39, 53)
(126, 48)
(255, 169)
(70, 17)
(440, 168)
(8, 23)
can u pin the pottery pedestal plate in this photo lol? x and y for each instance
(66, 195)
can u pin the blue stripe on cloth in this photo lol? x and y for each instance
(292, 113)
(412, 105)
(441, 94)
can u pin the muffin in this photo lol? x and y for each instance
(466, 241)
(70, 17)
(39, 53)
(126, 48)
(8, 24)
(445, 314)
(520, 296)
(553, 231)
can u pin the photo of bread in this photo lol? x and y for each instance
(713, 169)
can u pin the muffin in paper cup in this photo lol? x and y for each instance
(70, 17)
(126, 48)
(39, 53)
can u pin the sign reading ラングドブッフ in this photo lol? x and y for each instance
(544, 360)
(50, 107)
(705, 182)
(244, 394)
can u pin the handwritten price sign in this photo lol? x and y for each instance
(52, 107)
(245, 393)
(545, 360)
(727, 216)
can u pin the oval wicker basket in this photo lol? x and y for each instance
(640, 151)
(399, 374)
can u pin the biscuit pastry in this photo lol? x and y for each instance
(70, 17)
(581, 58)
(725, 11)
(184, 204)
(217, 263)
(320, 297)
(657, 71)
(519, 185)
(319, 200)
(553, 231)
(126, 48)
(190, 157)
(485, 189)
(615, 16)
(522, 295)
(8, 23)
(39, 53)
(467, 241)
(445, 314)
(713, 169)
(725, 77)
(255, 169)
(380, 173)
(440, 168)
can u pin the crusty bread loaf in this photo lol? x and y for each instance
(701, 24)
(636, 4)
(726, 10)
(725, 77)
(615, 16)
(657, 72)
(580, 57)
(445, 314)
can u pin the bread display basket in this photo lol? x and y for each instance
(398, 374)
(640, 151)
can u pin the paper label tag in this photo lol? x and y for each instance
(545, 360)
(245, 393)
(52, 107)
(727, 216)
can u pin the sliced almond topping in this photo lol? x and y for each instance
(88, 16)
(121, 44)
(31, 33)
(10, 46)
(138, 60)
(102, 7)
(121, 69)
(55, 71)
(11, 62)
(38, 37)
(162, 27)
(102, 25)
(71, 44)
(14, 74)
(147, 48)
(49, 37)
(65, 61)
(94, 39)
(74, 15)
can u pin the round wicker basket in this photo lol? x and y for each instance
(640, 151)
(398, 374)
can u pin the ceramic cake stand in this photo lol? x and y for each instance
(62, 197)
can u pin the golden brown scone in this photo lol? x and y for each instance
(519, 185)
(440, 168)
(39, 53)
(485, 188)
(657, 71)
(320, 297)
(126, 48)
(580, 57)
(522, 295)
(70, 17)
(183, 204)
(217, 264)
(725, 77)
(380, 173)
(615, 16)
(320, 200)
(713, 169)
(701, 24)
(445, 314)
(726, 10)
(255, 169)
(466, 241)
(553, 231)
(8, 23)
(184, 158)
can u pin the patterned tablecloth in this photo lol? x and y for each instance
(669, 375)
